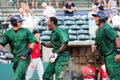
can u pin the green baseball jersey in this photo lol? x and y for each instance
(18, 40)
(58, 37)
(105, 39)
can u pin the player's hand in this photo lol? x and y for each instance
(53, 57)
(93, 47)
(32, 64)
(23, 57)
(117, 57)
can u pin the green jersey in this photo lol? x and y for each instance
(18, 40)
(105, 39)
(58, 37)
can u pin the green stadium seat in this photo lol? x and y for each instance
(77, 17)
(72, 37)
(63, 26)
(41, 28)
(74, 27)
(71, 18)
(46, 32)
(72, 32)
(83, 37)
(43, 23)
(45, 38)
(80, 32)
(81, 22)
(69, 22)
(85, 27)
(85, 17)
(60, 23)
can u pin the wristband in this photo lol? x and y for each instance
(42, 43)
(118, 51)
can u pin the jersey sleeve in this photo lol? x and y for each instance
(110, 33)
(63, 35)
(4, 39)
(31, 37)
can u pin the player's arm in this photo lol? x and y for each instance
(1, 47)
(28, 51)
(74, 7)
(117, 41)
(65, 9)
(47, 44)
(63, 47)
(32, 45)
(31, 40)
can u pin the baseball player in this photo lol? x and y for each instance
(108, 43)
(36, 63)
(18, 39)
(60, 56)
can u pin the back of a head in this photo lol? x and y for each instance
(54, 19)
(36, 31)
(44, 4)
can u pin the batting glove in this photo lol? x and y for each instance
(53, 57)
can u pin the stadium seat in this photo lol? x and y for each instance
(92, 37)
(81, 22)
(85, 27)
(63, 26)
(45, 38)
(43, 19)
(80, 32)
(69, 22)
(72, 32)
(60, 23)
(77, 17)
(83, 37)
(60, 18)
(72, 37)
(74, 27)
(46, 32)
(43, 23)
(41, 28)
(85, 17)
(68, 18)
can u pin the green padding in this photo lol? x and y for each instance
(6, 71)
